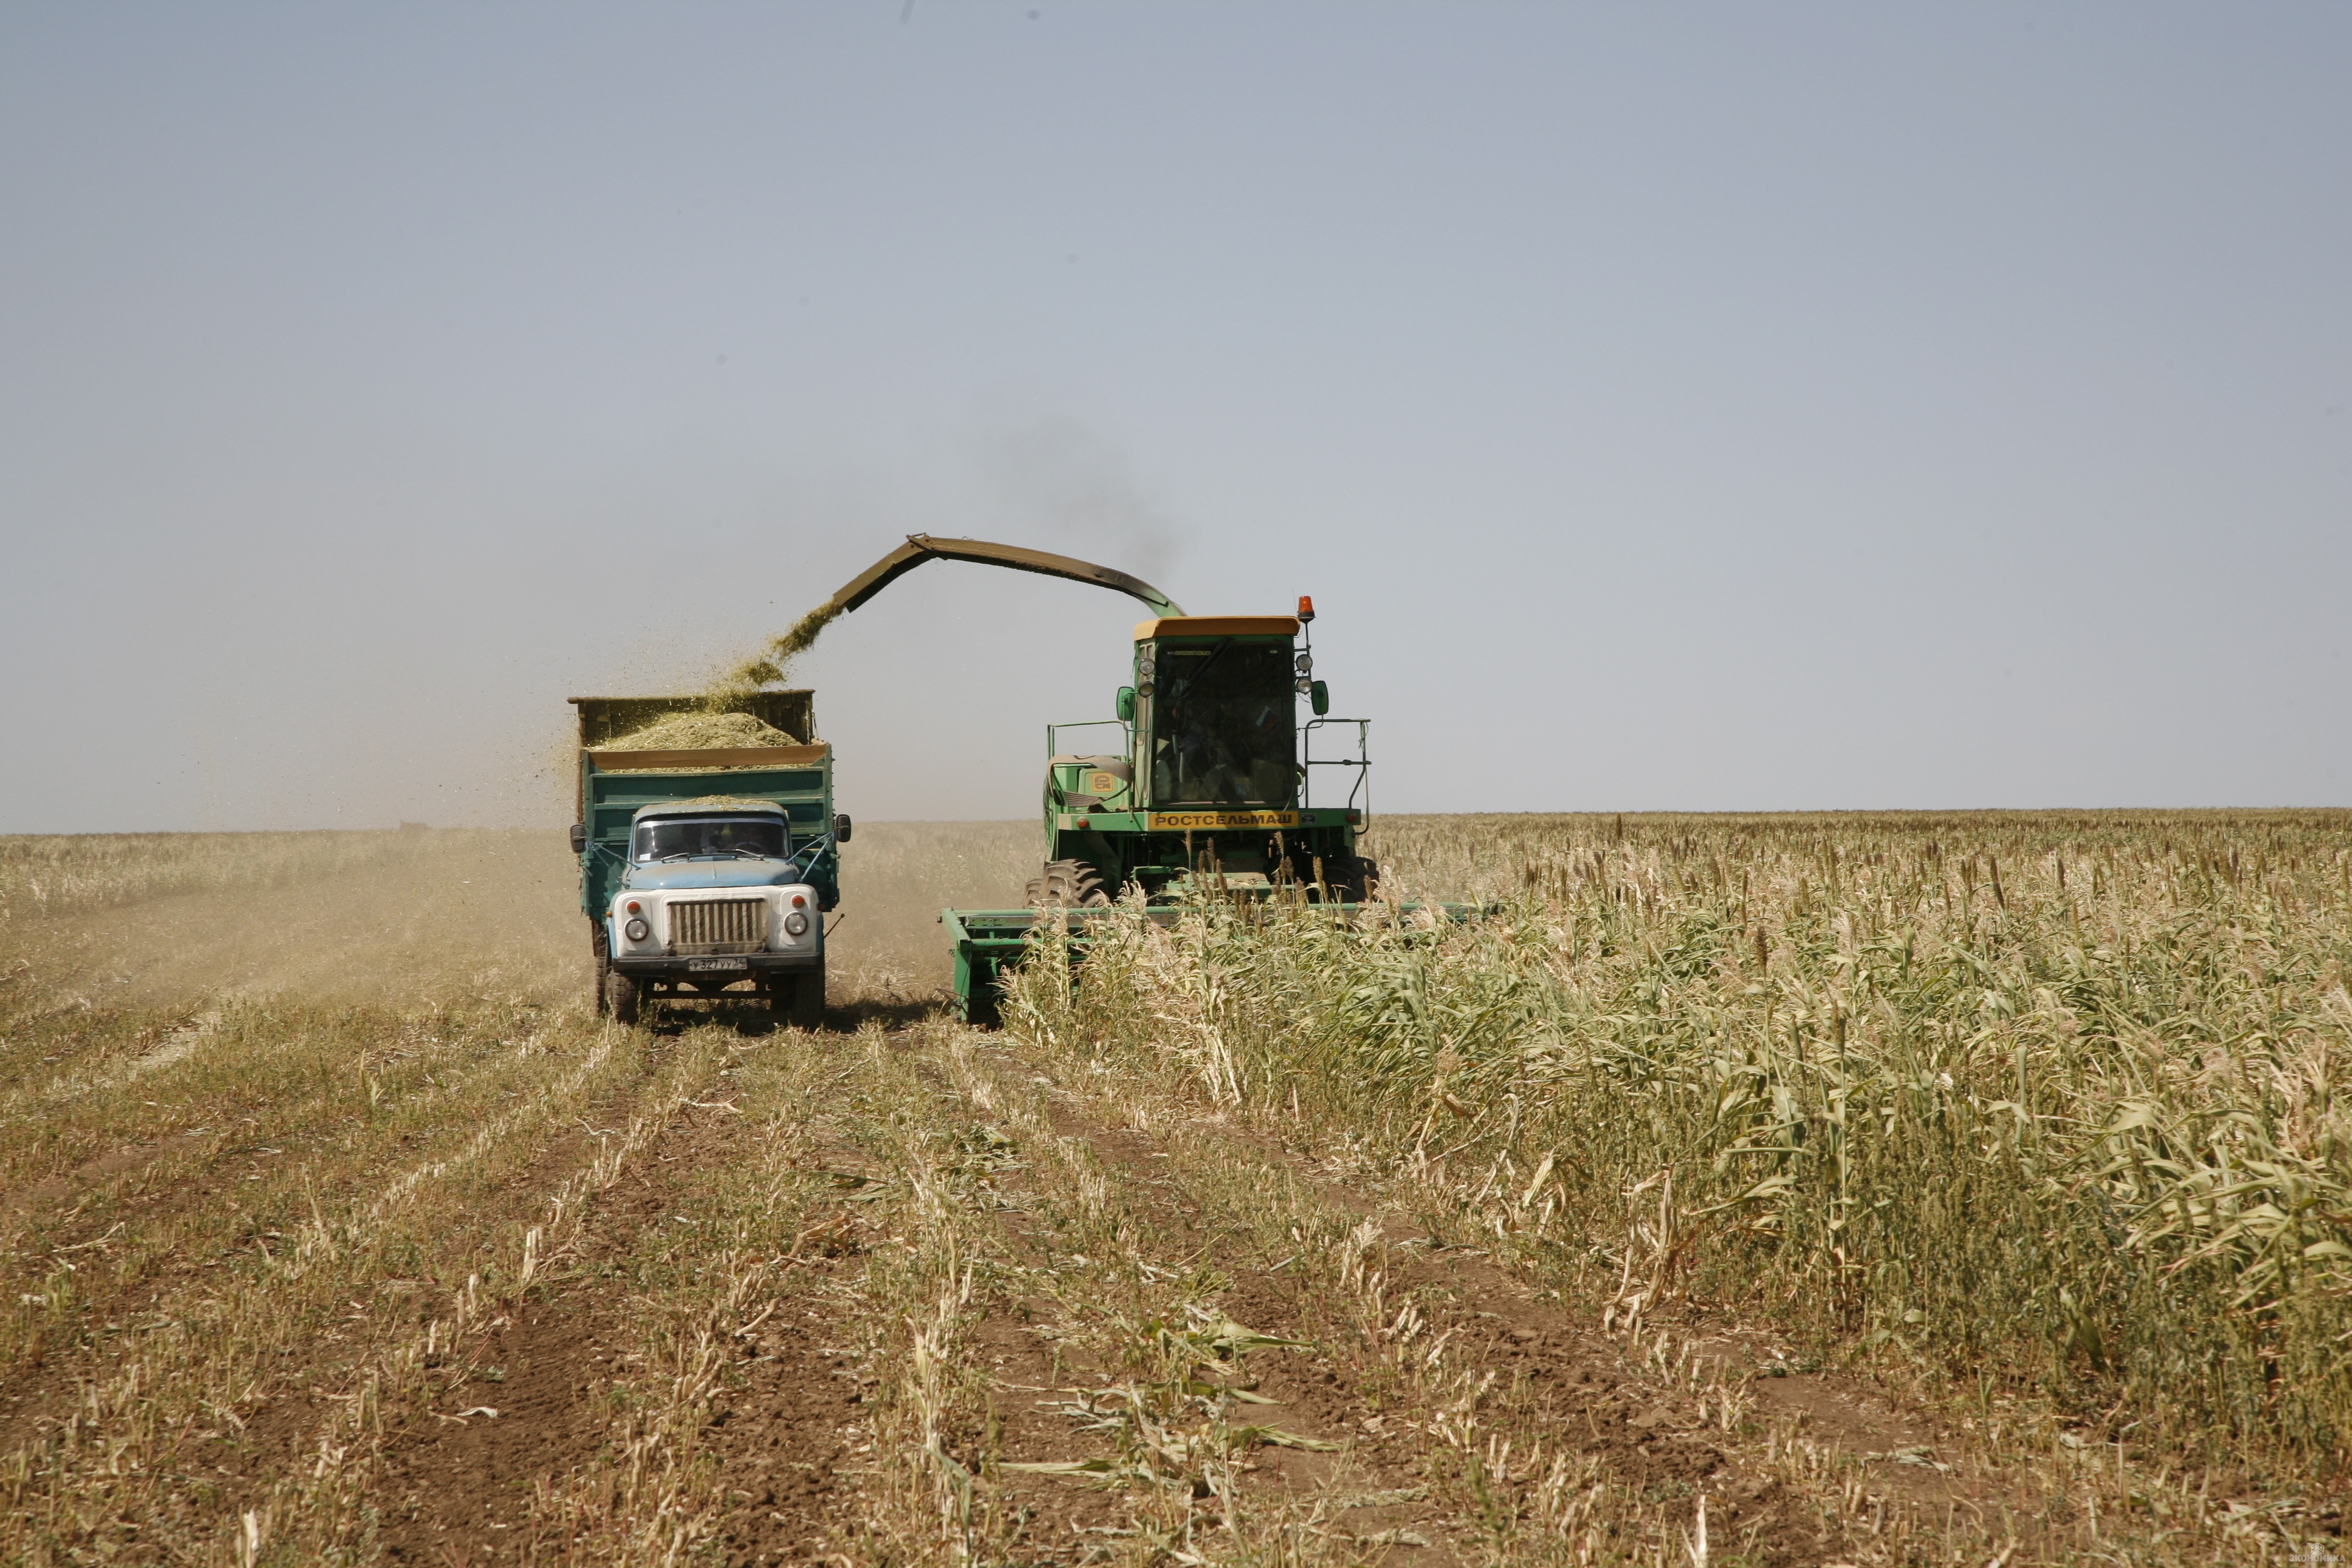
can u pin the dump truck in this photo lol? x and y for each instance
(1212, 781)
(707, 873)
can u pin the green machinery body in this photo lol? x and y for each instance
(1212, 775)
(1210, 785)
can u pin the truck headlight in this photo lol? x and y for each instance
(796, 924)
(636, 931)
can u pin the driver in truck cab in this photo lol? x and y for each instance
(743, 838)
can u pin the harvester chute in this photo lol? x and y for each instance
(922, 547)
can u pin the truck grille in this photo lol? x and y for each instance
(718, 925)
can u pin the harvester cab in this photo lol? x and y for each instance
(1213, 778)
(1208, 779)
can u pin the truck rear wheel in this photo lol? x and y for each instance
(1067, 885)
(624, 996)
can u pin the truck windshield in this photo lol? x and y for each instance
(1222, 730)
(672, 838)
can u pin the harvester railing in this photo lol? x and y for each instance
(1053, 745)
(1361, 762)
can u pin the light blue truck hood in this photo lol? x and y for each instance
(695, 876)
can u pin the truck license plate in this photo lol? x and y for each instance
(705, 965)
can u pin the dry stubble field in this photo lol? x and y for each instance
(1954, 1189)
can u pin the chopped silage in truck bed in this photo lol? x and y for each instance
(701, 733)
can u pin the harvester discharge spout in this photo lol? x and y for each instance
(922, 547)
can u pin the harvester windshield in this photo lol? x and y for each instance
(1222, 733)
(672, 838)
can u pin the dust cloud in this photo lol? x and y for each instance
(1060, 480)
(453, 917)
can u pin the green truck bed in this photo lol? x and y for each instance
(614, 784)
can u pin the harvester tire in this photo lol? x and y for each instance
(980, 1008)
(1354, 881)
(599, 966)
(1068, 885)
(624, 997)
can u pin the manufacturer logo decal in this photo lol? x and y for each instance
(1199, 821)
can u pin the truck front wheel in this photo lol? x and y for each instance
(800, 1000)
(622, 997)
(599, 967)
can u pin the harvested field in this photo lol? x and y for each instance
(1797, 1190)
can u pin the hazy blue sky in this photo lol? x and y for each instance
(1668, 407)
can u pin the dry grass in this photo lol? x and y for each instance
(1515, 1226)
(2037, 1111)
(48, 874)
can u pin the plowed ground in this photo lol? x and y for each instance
(389, 1251)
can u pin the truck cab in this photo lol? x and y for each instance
(715, 892)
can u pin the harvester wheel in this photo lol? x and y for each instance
(980, 1009)
(622, 996)
(1353, 879)
(599, 966)
(1068, 885)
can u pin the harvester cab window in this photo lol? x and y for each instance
(673, 838)
(1223, 734)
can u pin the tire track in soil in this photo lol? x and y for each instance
(785, 1428)
(782, 1432)
(283, 1419)
(1311, 1395)
(1647, 1433)
(461, 1488)
(289, 1424)
(456, 1487)
(1566, 1383)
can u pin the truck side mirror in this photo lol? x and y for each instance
(1319, 696)
(1126, 704)
(580, 838)
(840, 828)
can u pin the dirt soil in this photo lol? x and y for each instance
(380, 1248)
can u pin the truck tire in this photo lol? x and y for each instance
(799, 1001)
(1068, 885)
(599, 966)
(622, 996)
